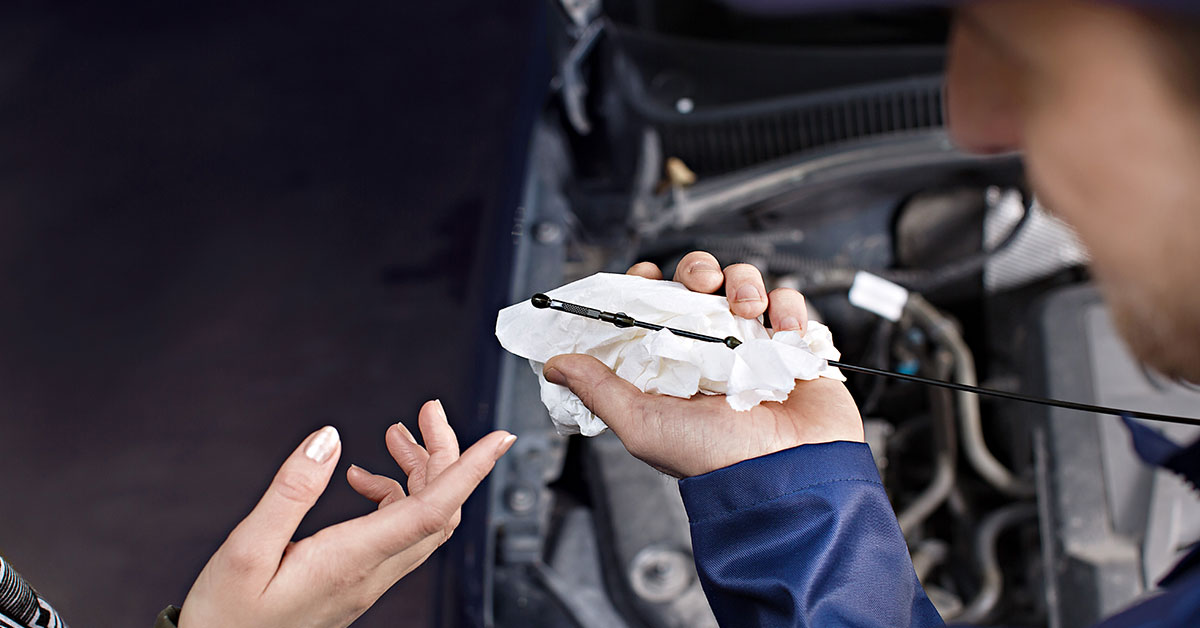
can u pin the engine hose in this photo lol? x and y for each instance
(992, 580)
(826, 277)
(829, 276)
(945, 456)
(928, 555)
(942, 330)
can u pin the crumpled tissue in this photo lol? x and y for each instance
(764, 367)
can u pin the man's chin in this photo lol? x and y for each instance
(1157, 339)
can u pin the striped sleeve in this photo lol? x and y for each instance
(20, 604)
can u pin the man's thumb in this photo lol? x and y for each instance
(609, 397)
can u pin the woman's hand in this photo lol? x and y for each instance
(260, 578)
(687, 437)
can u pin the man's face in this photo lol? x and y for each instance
(1111, 145)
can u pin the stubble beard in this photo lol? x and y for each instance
(1162, 331)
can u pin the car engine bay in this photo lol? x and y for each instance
(816, 148)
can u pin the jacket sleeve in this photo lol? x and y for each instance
(803, 537)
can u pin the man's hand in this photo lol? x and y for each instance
(260, 578)
(686, 437)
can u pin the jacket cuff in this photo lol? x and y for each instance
(168, 618)
(761, 480)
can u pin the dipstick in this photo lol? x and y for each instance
(623, 320)
(620, 319)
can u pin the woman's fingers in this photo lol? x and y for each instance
(443, 448)
(440, 440)
(787, 310)
(745, 290)
(700, 272)
(429, 512)
(258, 542)
(378, 488)
(645, 269)
(412, 458)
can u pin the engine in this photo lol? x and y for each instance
(815, 149)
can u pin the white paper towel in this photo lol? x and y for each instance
(763, 368)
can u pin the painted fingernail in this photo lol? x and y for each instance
(441, 411)
(505, 444)
(322, 444)
(555, 376)
(404, 432)
(747, 293)
(789, 323)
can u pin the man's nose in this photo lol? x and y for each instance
(983, 96)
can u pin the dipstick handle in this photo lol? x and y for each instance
(623, 320)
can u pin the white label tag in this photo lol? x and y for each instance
(878, 295)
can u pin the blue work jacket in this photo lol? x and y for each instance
(807, 537)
